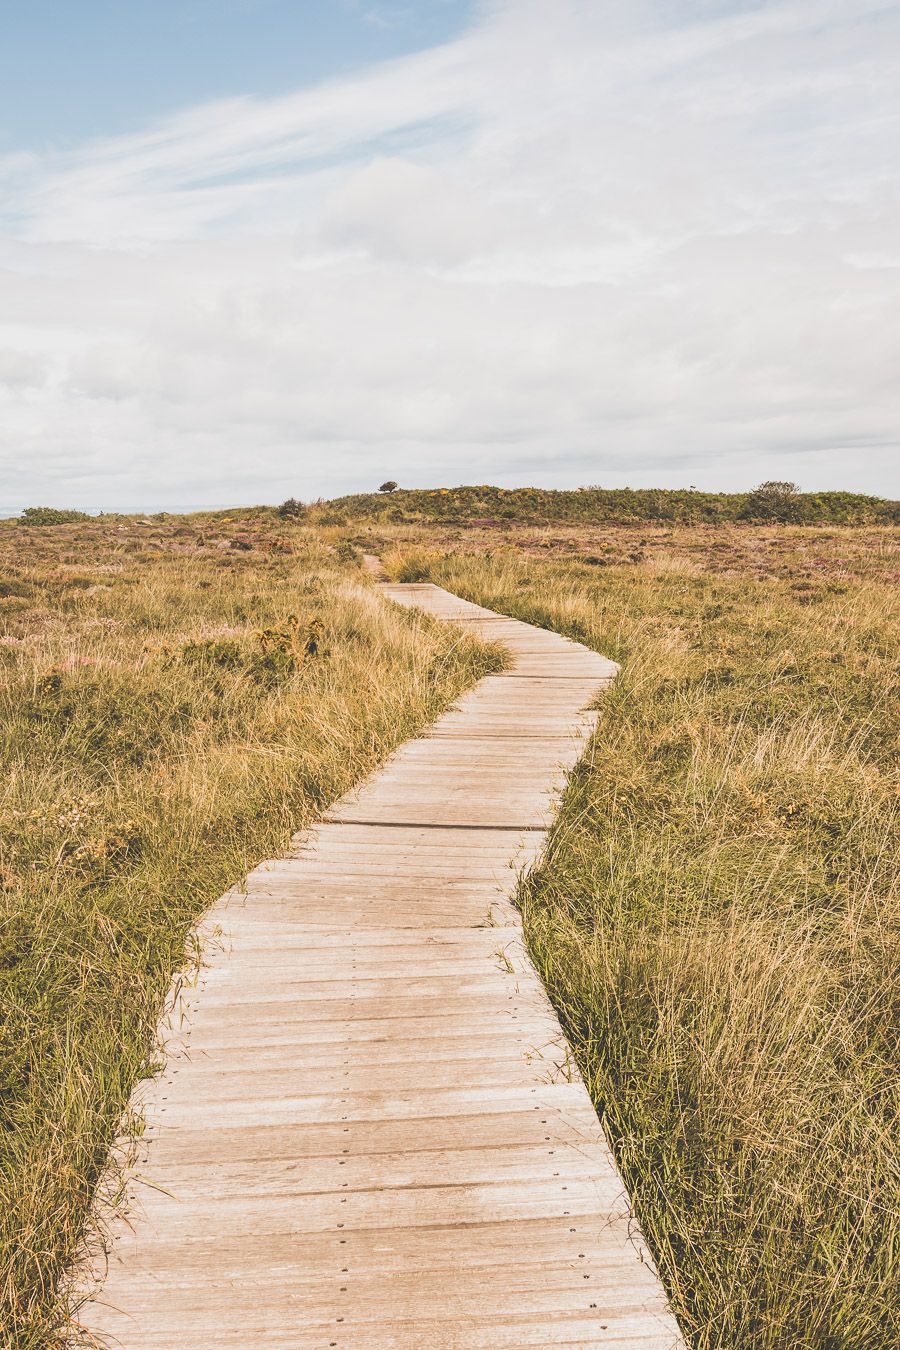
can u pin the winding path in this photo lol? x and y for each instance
(369, 1134)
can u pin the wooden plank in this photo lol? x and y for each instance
(368, 1132)
(453, 1136)
(482, 1245)
(422, 1030)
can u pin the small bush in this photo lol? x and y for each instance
(277, 652)
(291, 509)
(226, 654)
(50, 515)
(779, 501)
(389, 486)
(348, 553)
(12, 587)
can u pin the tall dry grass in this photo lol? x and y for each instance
(717, 922)
(175, 701)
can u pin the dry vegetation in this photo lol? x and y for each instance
(796, 555)
(717, 917)
(176, 698)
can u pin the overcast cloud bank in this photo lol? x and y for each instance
(618, 242)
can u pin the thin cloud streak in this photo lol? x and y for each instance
(581, 243)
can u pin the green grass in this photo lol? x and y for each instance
(717, 923)
(175, 700)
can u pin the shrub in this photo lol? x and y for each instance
(224, 653)
(276, 655)
(13, 587)
(389, 486)
(50, 515)
(594, 505)
(774, 500)
(291, 509)
(348, 553)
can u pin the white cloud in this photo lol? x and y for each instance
(586, 242)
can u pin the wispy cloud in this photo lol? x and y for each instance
(583, 242)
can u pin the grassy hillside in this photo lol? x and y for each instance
(717, 920)
(175, 699)
(586, 506)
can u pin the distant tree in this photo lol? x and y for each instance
(777, 490)
(291, 508)
(389, 486)
(774, 500)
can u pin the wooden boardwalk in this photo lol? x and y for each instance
(368, 1133)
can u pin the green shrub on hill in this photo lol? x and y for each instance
(486, 505)
(775, 501)
(50, 515)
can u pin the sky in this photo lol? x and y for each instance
(252, 249)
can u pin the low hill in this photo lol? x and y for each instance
(777, 502)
